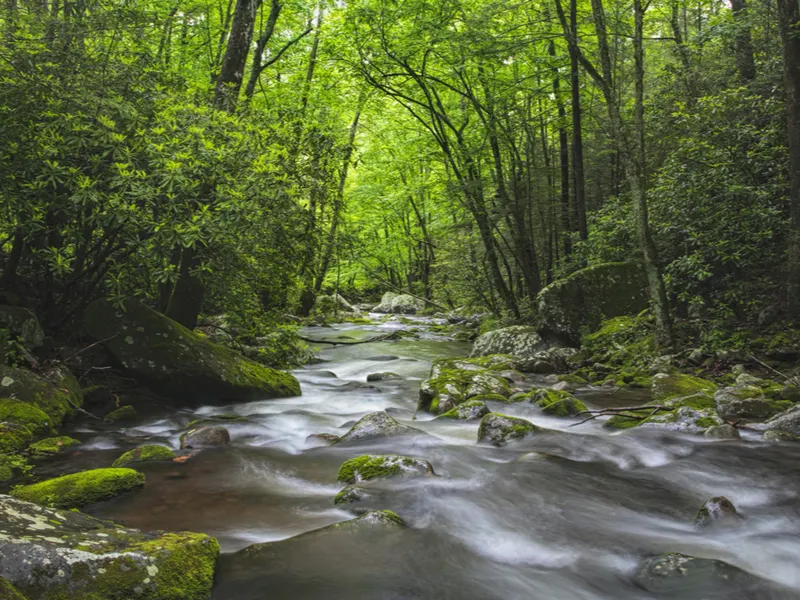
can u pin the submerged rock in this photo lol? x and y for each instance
(498, 429)
(325, 439)
(180, 363)
(373, 466)
(57, 554)
(355, 493)
(148, 453)
(691, 577)
(205, 436)
(518, 340)
(471, 410)
(52, 446)
(376, 425)
(80, 489)
(124, 414)
(715, 512)
(386, 376)
(557, 403)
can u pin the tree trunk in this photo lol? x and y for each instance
(261, 44)
(789, 23)
(579, 185)
(566, 219)
(186, 300)
(229, 82)
(743, 42)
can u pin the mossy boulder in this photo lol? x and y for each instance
(666, 387)
(8, 591)
(147, 453)
(498, 429)
(471, 410)
(178, 362)
(557, 403)
(56, 393)
(52, 446)
(577, 304)
(692, 417)
(406, 305)
(519, 341)
(716, 512)
(375, 426)
(123, 414)
(454, 381)
(56, 554)
(785, 426)
(748, 402)
(6, 468)
(25, 414)
(80, 489)
(205, 436)
(722, 432)
(14, 437)
(23, 325)
(375, 466)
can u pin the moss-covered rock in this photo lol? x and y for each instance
(123, 414)
(498, 429)
(80, 489)
(23, 325)
(52, 446)
(716, 512)
(148, 453)
(56, 393)
(722, 432)
(374, 426)
(666, 387)
(25, 414)
(471, 410)
(785, 426)
(14, 437)
(454, 381)
(374, 466)
(518, 340)
(57, 554)
(8, 591)
(747, 402)
(178, 362)
(557, 403)
(577, 304)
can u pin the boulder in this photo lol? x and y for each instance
(26, 415)
(557, 403)
(374, 426)
(14, 437)
(471, 410)
(22, 324)
(406, 305)
(667, 387)
(687, 577)
(386, 303)
(716, 512)
(386, 376)
(335, 303)
(205, 436)
(147, 453)
(454, 381)
(722, 432)
(51, 554)
(577, 304)
(376, 466)
(52, 446)
(785, 426)
(747, 402)
(124, 414)
(498, 429)
(80, 489)
(180, 363)
(518, 341)
(56, 392)
(356, 493)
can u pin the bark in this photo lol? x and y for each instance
(261, 44)
(789, 23)
(186, 300)
(12, 262)
(229, 82)
(579, 185)
(743, 42)
(566, 219)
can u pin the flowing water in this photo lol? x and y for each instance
(564, 515)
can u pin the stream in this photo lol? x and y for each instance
(562, 515)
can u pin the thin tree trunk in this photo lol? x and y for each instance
(565, 211)
(579, 185)
(229, 82)
(743, 43)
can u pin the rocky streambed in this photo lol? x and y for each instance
(385, 480)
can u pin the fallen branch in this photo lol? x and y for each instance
(791, 380)
(381, 338)
(620, 412)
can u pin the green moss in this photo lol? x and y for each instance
(124, 414)
(8, 591)
(498, 428)
(148, 453)
(469, 410)
(489, 398)
(458, 380)
(14, 437)
(371, 466)
(627, 419)
(706, 422)
(58, 395)
(79, 489)
(52, 446)
(215, 420)
(627, 343)
(678, 385)
(27, 415)
(558, 403)
(573, 379)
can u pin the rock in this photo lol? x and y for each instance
(722, 432)
(205, 436)
(780, 436)
(688, 577)
(14, 437)
(517, 341)
(373, 466)
(542, 367)
(22, 324)
(784, 425)
(666, 387)
(557, 403)
(499, 429)
(52, 446)
(579, 303)
(25, 414)
(386, 303)
(386, 376)
(355, 493)
(747, 402)
(454, 381)
(471, 410)
(406, 305)
(718, 511)
(80, 489)
(124, 414)
(693, 417)
(8, 591)
(216, 420)
(147, 453)
(328, 305)
(323, 438)
(54, 554)
(376, 425)
(56, 393)
(382, 357)
(180, 363)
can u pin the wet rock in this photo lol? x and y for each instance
(49, 553)
(498, 429)
(386, 376)
(686, 418)
(355, 493)
(716, 512)
(216, 420)
(581, 301)
(666, 387)
(52, 446)
(80, 489)
(374, 466)
(406, 305)
(471, 410)
(124, 414)
(148, 453)
(374, 426)
(747, 402)
(542, 367)
(327, 305)
(454, 381)
(382, 357)
(689, 577)
(785, 426)
(205, 436)
(722, 432)
(385, 305)
(518, 341)
(180, 363)
(557, 403)
(325, 439)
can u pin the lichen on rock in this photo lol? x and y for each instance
(80, 489)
